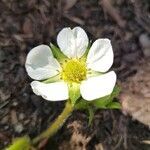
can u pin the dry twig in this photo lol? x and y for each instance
(107, 6)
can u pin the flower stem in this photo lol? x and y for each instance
(56, 125)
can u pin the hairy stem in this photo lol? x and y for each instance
(56, 125)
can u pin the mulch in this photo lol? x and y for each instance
(26, 24)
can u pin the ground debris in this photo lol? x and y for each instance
(135, 96)
(26, 24)
(108, 7)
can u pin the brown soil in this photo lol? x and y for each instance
(25, 24)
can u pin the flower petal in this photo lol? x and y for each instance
(82, 41)
(100, 56)
(56, 91)
(99, 86)
(73, 43)
(40, 63)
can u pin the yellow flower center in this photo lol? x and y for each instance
(74, 70)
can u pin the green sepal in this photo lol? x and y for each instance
(86, 52)
(114, 105)
(74, 92)
(22, 143)
(106, 100)
(101, 102)
(81, 105)
(115, 92)
(52, 79)
(57, 53)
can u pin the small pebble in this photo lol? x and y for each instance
(144, 40)
(26, 122)
(21, 116)
(146, 52)
(145, 43)
(18, 128)
(6, 127)
(14, 104)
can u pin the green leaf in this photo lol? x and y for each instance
(57, 53)
(114, 105)
(22, 143)
(91, 115)
(74, 92)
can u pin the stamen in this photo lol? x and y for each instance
(74, 70)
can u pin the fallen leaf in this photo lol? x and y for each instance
(137, 106)
(135, 96)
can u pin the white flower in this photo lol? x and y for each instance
(87, 73)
